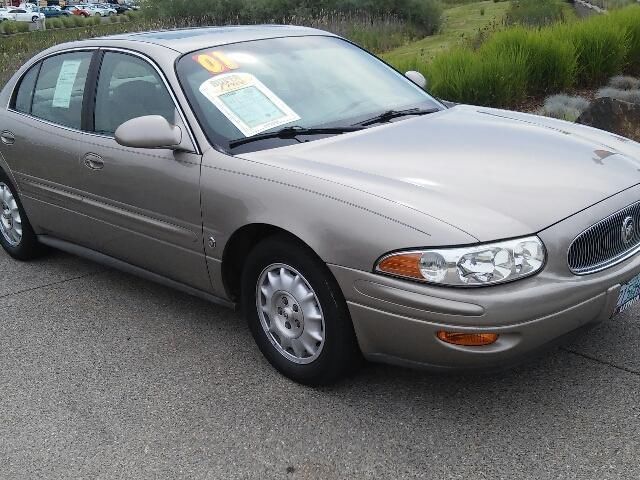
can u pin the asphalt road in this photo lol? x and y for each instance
(103, 375)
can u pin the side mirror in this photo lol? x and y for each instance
(417, 78)
(152, 131)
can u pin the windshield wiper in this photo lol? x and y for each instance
(293, 132)
(391, 114)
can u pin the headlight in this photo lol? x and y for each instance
(478, 265)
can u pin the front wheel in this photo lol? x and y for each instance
(297, 313)
(34, 19)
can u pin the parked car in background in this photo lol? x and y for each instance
(97, 11)
(76, 11)
(5, 15)
(132, 4)
(22, 15)
(119, 8)
(54, 12)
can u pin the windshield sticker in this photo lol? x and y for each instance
(247, 103)
(216, 62)
(66, 81)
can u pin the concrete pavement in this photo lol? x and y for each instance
(103, 375)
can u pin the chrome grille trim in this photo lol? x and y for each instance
(601, 246)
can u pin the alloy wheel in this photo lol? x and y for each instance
(290, 313)
(10, 221)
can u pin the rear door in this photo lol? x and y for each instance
(45, 143)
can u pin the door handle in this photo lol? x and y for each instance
(7, 138)
(93, 161)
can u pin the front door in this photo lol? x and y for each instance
(146, 202)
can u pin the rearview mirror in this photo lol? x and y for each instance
(417, 78)
(152, 131)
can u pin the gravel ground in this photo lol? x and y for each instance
(103, 375)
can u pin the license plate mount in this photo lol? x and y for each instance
(629, 295)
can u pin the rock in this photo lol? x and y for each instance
(616, 116)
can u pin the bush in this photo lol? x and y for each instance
(68, 22)
(10, 27)
(113, 19)
(95, 20)
(631, 96)
(625, 83)
(551, 60)
(601, 48)
(629, 20)
(496, 77)
(55, 23)
(78, 21)
(425, 15)
(564, 107)
(536, 13)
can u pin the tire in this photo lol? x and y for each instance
(307, 334)
(27, 247)
(34, 19)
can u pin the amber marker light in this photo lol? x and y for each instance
(468, 339)
(406, 265)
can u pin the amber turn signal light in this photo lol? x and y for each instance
(407, 265)
(468, 339)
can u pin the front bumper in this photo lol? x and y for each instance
(398, 325)
(396, 321)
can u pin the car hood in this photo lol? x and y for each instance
(492, 173)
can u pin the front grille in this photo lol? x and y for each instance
(606, 243)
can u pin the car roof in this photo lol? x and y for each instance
(190, 39)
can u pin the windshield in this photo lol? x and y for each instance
(248, 89)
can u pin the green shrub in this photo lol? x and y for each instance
(601, 48)
(68, 22)
(495, 77)
(425, 15)
(551, 60)
(22, 27)
(113, 19)
(97, 20)
(78, 21)
(10, 27)
(54, 23)
(629, 19)
(536, 13)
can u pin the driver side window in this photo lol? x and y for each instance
(129, 87)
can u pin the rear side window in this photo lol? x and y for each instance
(129, 87)
(59, 90)
(24, 95)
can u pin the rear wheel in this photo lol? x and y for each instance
(16, 235)
(34, 19)
(297, 314)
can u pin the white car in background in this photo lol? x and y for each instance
(5, 15)
(23, 15)
(96, 10)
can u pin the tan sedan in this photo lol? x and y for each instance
(287, 172)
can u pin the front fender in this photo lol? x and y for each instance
(343, 225)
